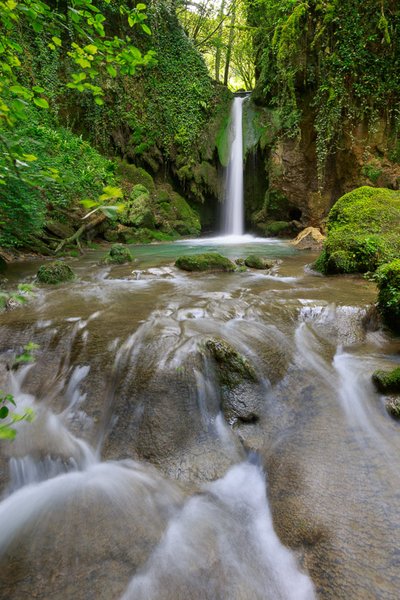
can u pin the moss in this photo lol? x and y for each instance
(372, 171)
(388, 281)
(223, 141)
(118, 254)
(277, 228)
(257, 262)
(204, 262)
(363, 231)
(232, 367)
(55, 272)
(135, 175)
(387, 382)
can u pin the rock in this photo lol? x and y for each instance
(309, 239)
(60, 230)
(118, 255)
(55, 272)
(258, 262)
(239, 262)
(393, 407)
(387, 382)
(204, 262)
(232, 367)
(388, 280)
(363, 232)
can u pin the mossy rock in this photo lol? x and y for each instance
(136, 175)
(388, 281)
(55, 272)
(118, 255)
(278, 228)
(387, 382)
(258, 262)
(363, 232)
(232, 367)
(204, 262)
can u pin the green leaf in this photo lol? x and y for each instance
(99, 101)
(111, 71)
(140, 6)
(146, 28)
(88, 203)
(111, 192)
(7, 433)
(4, 412)
(41, 102)
(38, 89)
(56, 40)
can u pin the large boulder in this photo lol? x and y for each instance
(258, 262)
(387, 382)
(363, 231)
(388, 280)
(118, 255)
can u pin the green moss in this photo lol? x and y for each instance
(277, 228)
(232, 367)
(388, 281)
(257, 262)
(372, 171)
(363, 231)
(118, 254)
(387, 382)
(223, 141)
(55, 272)
(204, 262)
(135, 175)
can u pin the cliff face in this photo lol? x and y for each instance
(328, 88)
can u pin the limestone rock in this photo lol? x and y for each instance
(309, 239)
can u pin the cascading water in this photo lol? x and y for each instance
(233, 211)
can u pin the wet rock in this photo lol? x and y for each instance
(60, 230)
(393, 407)
(309, 239)
(239, 262)
(55, 272)
(258, 262)
(233, 367)
(204, 262)
(118, 255)
(387, 382)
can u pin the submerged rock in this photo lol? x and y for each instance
(258, 262)
(233, 367)
(204, 262)
(118, 255)
(55, 272)
(309, 239)
(387, 382)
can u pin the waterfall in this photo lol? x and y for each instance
(233, 213)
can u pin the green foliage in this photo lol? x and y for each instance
(58, 169)
(55, 272)
(19, 297)
(205, 262)
(8, 417)
(363, 231)
(387, 278)
(372, 171)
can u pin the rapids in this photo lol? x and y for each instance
(132, 484)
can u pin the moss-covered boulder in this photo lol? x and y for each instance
(130, 174)
(118, 255)
(55, 272)
(232, 367)
(388, 281)
(258, 262)
(363, 231)
(387, 382)
(204, 262)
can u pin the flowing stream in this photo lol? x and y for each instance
(133, 482)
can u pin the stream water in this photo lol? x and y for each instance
(131, 483)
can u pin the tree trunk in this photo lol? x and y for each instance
(219, 41)
(230, 43)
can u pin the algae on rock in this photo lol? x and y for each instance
(55, 272)
(205, 262)
(118, 254)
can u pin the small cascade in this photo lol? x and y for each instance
(233, 213)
